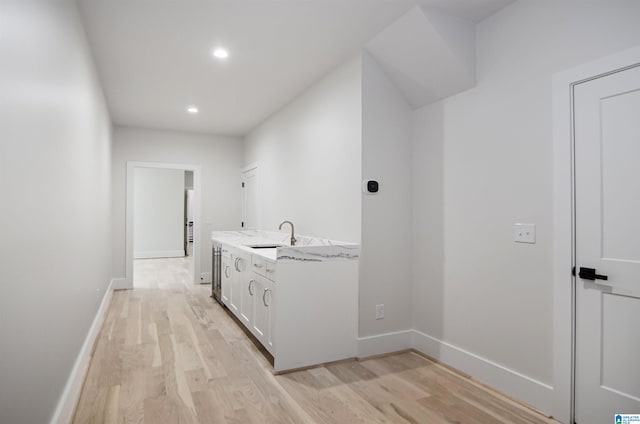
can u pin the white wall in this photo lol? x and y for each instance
(55, 214)
(313, 155)
(309, 159)
(158, 224)
(385, 264)
(428, 220)
(491, 296)
(220, 158)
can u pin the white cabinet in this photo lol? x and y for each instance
(302, 307)
(262, 326)
(234, 297)
(240, 269)
(227, 275)
(235, 268)
(247, 295)
(260, 323)
(263, 298)
(270, 297)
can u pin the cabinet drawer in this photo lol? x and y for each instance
(259, 265)
(264, 267)
(270, 268)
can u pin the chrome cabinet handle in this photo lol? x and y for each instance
(239, 263)
(264, 297)
(251, 282)
(235, 264)
(226, 269)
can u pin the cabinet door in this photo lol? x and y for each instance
(271, 307)
(261, 311)
(247, 298)
(236, 285)
(227, 274)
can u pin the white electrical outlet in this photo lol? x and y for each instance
(380, 311)
(524, 233)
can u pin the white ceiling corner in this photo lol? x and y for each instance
(428, 54)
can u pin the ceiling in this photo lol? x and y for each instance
(154, 56)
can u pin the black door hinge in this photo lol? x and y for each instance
(573, 271)
(242, 224)
(242, 185)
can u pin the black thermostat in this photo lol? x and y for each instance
(371, 186)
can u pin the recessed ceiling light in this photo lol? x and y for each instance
(221, 53)
(192, 109)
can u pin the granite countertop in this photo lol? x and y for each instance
(307, 249)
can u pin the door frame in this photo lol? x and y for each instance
(130, 209)
(564, 222)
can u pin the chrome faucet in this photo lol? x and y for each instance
(293, 239)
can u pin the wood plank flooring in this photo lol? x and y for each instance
(162, 273)
(173, 355)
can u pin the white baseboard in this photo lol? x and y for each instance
(205, 277)
(151, 254)
(121, 284)
(508, 381)
(71, 393)
(384, 343)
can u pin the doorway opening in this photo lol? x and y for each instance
(163, 240)
(188, 213)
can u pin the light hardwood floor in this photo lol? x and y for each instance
(163, 273)
(173, 355)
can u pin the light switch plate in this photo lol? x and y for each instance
(524, 233)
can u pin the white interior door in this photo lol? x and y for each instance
(250, 198)
(607, 171)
